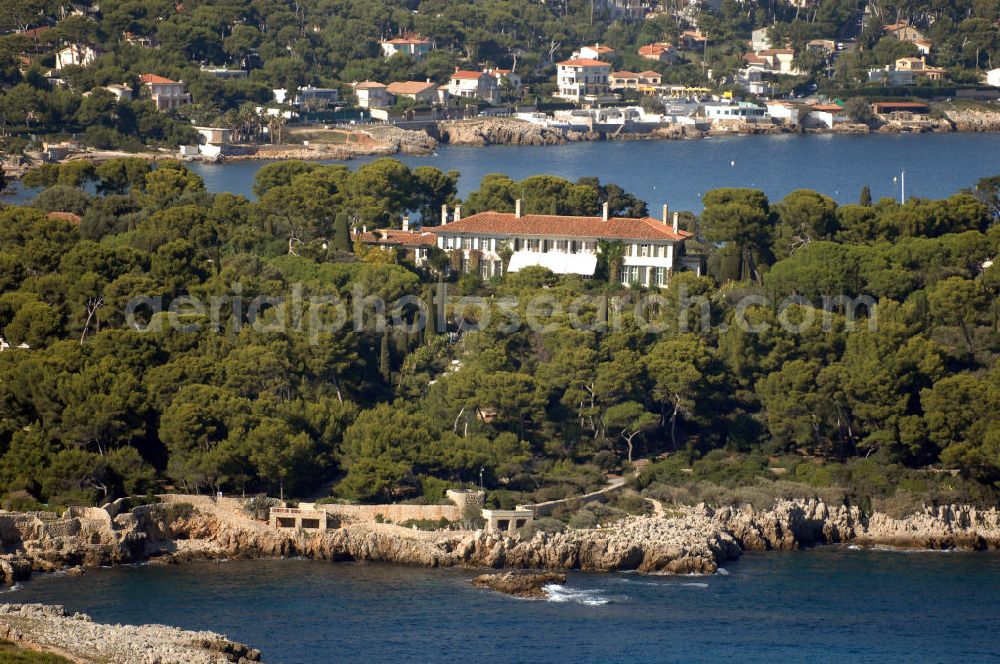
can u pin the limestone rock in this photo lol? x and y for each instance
(519, 584)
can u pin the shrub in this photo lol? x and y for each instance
(583, 518)
(259, 507)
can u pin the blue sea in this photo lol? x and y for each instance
(680, 172)
(830, 604)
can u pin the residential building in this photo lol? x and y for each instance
(166, 94)
(744, 111)
(120, 91)
(760, 39)
(420, 92)
(413, 245)
(827, 115)
(311, 97)
(780, 60)
(474, 85)
(923, 46)
(903, 31)
(785, 111)
(595, 52)
(627, 80)
(565, 244)
(993, 77)
(692, 40)
(582, 78)
(905, 72)
(825, 46)
(506, 79)
(624, 10)
(225, 73)
(371, 94)
(75, 55)
(413, 45)
(214, 135)
(659, 52)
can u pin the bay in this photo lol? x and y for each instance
(830, 604)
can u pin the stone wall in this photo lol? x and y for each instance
(392, 513)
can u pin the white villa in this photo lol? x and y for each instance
(166, 94)
(78, 55)
(581, 78)
(412, 45)
(566, 244)
(474, 85)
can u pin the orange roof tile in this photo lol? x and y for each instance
(410, 87)
(473, 75)
(583, 62)
(155, 78)
(615, 228)
(391, 236)
(368, 85)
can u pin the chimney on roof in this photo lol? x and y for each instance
(677, 222)
(406, 222)
(364, 229)
(458, 212)
(444, 214)
(604, 211)
(666, 212)
(517, 209)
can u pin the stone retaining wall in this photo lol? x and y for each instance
(392, 513)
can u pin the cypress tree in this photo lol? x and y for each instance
(341, 232)
(866, 197)
(384, 359)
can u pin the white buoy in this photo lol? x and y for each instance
(732, 163)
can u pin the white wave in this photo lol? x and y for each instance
(13, 588)
(722, 571)
(665, 584)
(695, 585)
(558, 593)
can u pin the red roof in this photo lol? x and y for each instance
(655, 49)
(472, 75)
(64, 216)
(625, 74)
(828, 108)
(410, 87)
(408, 39)
(390, 236)
(615, 228)
(155, 78)
(583, 62)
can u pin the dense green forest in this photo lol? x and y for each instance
(273, 398)
(334, 42)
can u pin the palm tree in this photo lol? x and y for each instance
(612, 253)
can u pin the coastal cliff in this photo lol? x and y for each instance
(680, 540)
(78, 638)
(971, 119)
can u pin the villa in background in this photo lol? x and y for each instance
(413, 45)
(166, 94)
(474, 85)
(653, 248)
(582, 79)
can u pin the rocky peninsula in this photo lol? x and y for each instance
(79, 639)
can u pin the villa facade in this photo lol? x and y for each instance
(582, 78)
(653, 248)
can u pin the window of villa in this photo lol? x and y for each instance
(644, 250)
(660, 276)
(532, 244)
(466, 243)
(562, 246)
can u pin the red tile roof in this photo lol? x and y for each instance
(408, 39)
(64, 216)
(391, 236)
(655, 49)
(410, 87)
(471, 75)
(583, 62)
(829, 108)
(368, 85)
(615, 228)
(155, 78)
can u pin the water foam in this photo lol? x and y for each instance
(559, 593)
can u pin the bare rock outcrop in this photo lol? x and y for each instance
(973, 119)
(77, 637)
(502, 131)
(519, 585)
(793, 524)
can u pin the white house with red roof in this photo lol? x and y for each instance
(413, 45)
(582, 78)
(165, 93)
(565, 244)
(659, 52)
(415, 245)
(595, 52)
(474, 85)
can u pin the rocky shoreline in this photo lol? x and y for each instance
(677, 540)
(76, 637)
